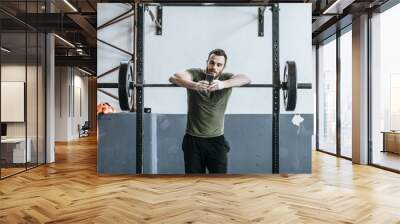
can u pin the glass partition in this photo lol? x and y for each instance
(22, 90)
(14, 154)
(346, 94)
(327, 97)
(385, 89)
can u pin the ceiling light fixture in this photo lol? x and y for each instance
(84, 71)
(5, 50)
(337, 7)
(70, 5)
(65, 41)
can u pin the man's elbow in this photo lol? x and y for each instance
(172, 79)
(248, 80)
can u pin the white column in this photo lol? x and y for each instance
(50, 94)
(360, 90)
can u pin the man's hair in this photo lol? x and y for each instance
(218, 52)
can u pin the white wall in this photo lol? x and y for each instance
(187, 38)
(33, 126)
(61, 103)
(67, 115)
(81, 104)
(190, 33)
(17, 73)
(12, 101)
(119, 34)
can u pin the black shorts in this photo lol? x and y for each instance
(202, 153)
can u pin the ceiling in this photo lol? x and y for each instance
(76, 23)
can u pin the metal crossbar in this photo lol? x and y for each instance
(108, 72)
(108, 94)
(117, 19)
(115, 47)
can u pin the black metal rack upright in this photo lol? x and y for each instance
(139, 41)
(276, 90)
(139, 21)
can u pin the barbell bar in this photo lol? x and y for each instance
(126, 86)
(115, 85)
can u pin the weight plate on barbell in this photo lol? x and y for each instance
(290, 86)
(125, 93)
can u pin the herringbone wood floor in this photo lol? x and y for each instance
(70, 191)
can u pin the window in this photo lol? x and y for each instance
(346, 94)
(327, 97)
(385, 89)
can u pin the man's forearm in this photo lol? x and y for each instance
(183, 82)
(238, 80)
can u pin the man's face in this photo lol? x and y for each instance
(215, 64)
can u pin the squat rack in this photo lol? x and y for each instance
(138, 59)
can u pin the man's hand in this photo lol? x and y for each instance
(216, 85)
(202, 86)
(105, 108)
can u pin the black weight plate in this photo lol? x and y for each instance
(290, 90)
(125, 93)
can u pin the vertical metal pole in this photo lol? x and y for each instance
(1, 53)
(73, 91)
(26, 87)
(369, 81)
(139, 20)
(45, 88)
(317, 96)
(37, 88)
(338, 91)
(276, 89)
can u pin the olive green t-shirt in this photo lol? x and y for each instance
(206, 111)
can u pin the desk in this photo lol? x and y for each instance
(15, 148)
(391, 141)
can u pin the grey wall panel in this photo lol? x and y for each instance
(295, 144)
(250, 138)
(116, 147)
(150, 143)
(116, 152)
(170, 131)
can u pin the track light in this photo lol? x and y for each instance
(337, 7)
(65, 41)
(70, 5)
(5, 50)
(84, 71)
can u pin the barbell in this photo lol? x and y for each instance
(126, 85)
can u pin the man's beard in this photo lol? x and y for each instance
(217, 74)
